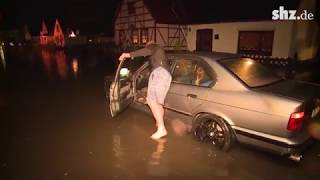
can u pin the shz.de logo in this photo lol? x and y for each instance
(283, 14)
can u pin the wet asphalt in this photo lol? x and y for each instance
(55, 124)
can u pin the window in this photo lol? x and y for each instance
(131, 9)
(135, 36)
(132, 66)
(192, 73)
(144, 35)
(143, 78)
(253, 74)
(255, 42)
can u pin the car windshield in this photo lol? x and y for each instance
(253, 74)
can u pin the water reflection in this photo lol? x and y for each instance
(157, 164)
(61, 64)
(2, 58)
(57, 62)
(117, 150)
(46, 59)
(75, 67)
(156, 155)
(179, 127)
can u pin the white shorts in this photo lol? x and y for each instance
(158, 85)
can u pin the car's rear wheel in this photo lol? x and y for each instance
(213, 129)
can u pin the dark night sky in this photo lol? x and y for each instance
(96, 16)
(90, 16)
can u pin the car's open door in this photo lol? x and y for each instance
(121, 94)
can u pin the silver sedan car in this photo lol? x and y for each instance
(226, 99)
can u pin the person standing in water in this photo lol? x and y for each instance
(159, 82)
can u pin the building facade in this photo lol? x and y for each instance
(57, 37)
(243, 32)
(276, 39)
(297, 39)
(139, 21)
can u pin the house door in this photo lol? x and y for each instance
(204, 40)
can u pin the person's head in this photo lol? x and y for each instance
(199, 73)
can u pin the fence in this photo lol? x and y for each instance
(281, 62)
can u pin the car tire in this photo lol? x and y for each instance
(213, 129)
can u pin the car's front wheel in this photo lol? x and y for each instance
(213, 129)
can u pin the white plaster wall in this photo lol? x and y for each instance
(228, 35)
(162, 29)
(162, 36)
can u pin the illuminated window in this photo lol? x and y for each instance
(135, 36)
(131, 9)
(144, 35)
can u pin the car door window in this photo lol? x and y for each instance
(191, 72)
(143, 78)
(183, 72)
(131, 66)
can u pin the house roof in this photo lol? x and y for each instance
(209, 11)
(168, 11)
(163, 11)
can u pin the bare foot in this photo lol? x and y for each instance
(158, 134)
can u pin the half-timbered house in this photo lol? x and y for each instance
(57, 37)
(139, 21)
(224, 27)
(44, 34)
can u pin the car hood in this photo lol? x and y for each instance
(293, 89)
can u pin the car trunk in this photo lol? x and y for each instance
(293, 89)
(307, 93)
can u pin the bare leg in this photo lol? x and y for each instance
(158, 113)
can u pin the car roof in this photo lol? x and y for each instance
(210, 55)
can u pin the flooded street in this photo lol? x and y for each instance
(55, 124)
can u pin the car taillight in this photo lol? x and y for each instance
(295, 121)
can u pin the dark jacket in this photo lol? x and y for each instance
(156, 55)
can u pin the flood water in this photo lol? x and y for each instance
(55, 124)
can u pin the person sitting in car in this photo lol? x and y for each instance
(201, 78)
